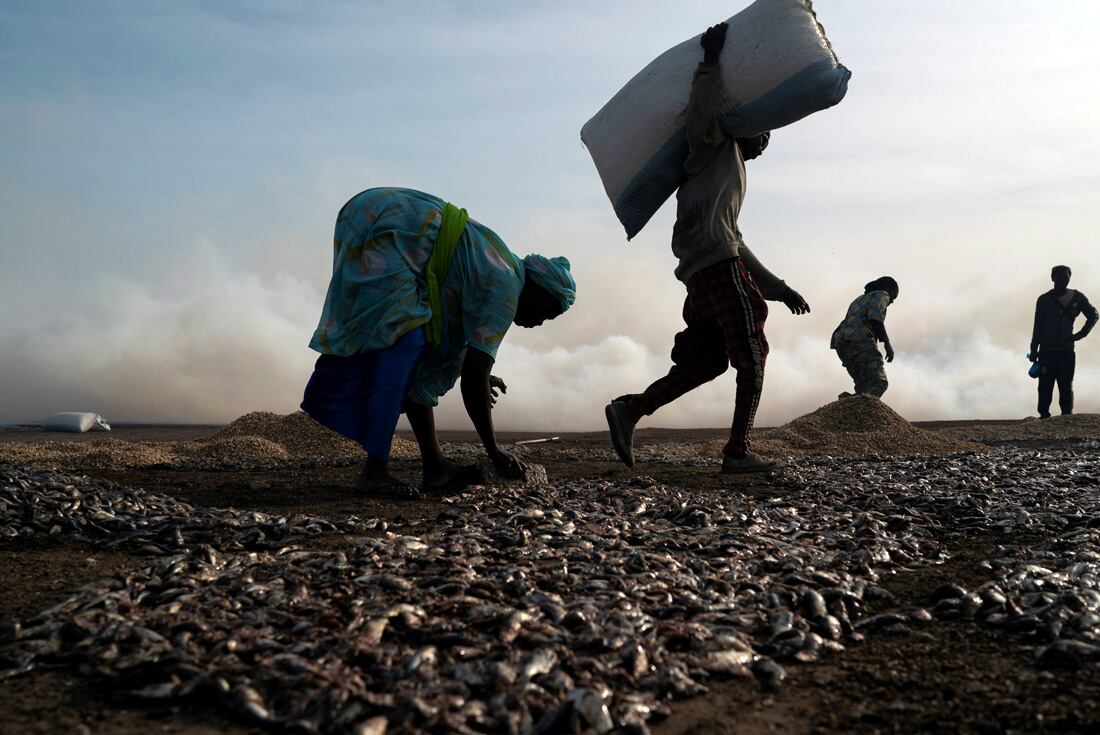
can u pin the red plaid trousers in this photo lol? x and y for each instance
(725, 315)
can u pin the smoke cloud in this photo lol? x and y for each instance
(210, 341)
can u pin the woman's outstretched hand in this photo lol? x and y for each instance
(496, 384)
(509, 465)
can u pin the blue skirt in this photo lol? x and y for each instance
(361, 396)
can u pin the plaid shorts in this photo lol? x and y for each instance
(725, 316)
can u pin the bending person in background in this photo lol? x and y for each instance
(854, 340)
(726, 284)
(1052, 339)
(420, 295)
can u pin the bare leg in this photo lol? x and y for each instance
(375, 480)
(375, 471)
(438, 470)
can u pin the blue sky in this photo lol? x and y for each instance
(171, 173)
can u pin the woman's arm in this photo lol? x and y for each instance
(478, 399)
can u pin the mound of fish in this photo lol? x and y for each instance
(93, 454)
(584, 605)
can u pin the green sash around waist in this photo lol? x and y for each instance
(439, 265)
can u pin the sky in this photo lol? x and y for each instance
(170, 173)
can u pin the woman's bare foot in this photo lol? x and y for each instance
(375, 480)
(447, 475)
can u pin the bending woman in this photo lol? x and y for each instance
(420, 295)
(863, 325)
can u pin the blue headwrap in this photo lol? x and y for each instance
(554, 276)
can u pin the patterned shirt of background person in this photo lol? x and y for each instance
(854, 339)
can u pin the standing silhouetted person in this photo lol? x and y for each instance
(1052, 339)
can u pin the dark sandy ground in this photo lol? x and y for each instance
(950, 677)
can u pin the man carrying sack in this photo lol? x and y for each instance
(726, 284)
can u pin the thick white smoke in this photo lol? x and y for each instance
(567, 389)
(211, 341)
(230, 342)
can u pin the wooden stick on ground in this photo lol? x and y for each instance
(539, 441)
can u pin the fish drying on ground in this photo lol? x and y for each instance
(45, 503)
(587, 604)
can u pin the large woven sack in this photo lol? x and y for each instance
(777, 68)
(75, 421)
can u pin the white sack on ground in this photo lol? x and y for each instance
(777, 66)
(75, 421)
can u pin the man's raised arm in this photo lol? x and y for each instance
(703, 128)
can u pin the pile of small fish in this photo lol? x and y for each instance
(581, 604)
(108, 515)
(522, 610)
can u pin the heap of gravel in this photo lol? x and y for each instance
(1076, 427)
(98, 454)
(235, 448)
(855, 426)
(303, 438)
(260, 438)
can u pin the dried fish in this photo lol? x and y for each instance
(104, 514)
(585, 604)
